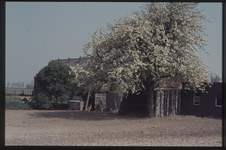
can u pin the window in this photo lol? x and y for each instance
(218, 99)
(196, 99)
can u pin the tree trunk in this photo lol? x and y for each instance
(150, 101)
(148, 89)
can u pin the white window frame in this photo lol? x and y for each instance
(216, 102)
(195, 100)
(218, 95)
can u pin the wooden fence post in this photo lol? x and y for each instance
(167, 104)
(157, 104)
(161, 103)
(172, 102)
(179, 103)
(176, 102)
(165, 107)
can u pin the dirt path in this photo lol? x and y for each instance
(71, 128)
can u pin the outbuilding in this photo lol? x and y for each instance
(203, 104)
(173, 101)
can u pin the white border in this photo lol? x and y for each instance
(216, 103)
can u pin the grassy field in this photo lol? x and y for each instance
(14, 103)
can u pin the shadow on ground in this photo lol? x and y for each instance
(85, 116)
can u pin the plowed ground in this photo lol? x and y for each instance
(76, 128)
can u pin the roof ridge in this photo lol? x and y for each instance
(73, 61)
(71, 58)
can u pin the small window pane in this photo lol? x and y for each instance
(218, 102)
(196, 99)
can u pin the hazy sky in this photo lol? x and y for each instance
(38, 32)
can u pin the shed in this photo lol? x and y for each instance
(110, 100)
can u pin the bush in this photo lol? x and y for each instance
(43, 101)
(55, 86)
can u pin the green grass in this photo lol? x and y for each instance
(14, 103)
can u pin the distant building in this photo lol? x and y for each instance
(73, 62)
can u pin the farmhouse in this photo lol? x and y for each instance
(170, 100)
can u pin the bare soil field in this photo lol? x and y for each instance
(79, 128)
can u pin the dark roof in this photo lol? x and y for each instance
(217, 82)
(74, 61)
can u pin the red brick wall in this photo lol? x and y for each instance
(207, 103)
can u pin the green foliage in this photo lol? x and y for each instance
(55, 85)
(43, 101)
(14, 103)
(76, 87)
(115, 87)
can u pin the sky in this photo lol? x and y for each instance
(38, 32)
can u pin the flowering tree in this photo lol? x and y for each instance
(161, 41)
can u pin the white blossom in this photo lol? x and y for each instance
(162, 40)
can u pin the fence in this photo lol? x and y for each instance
(19, 91)
(167, 101)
